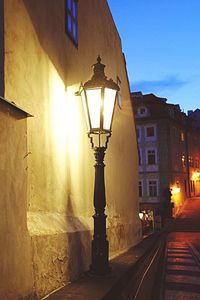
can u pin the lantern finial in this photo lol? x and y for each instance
(98, 59)
(98, 70)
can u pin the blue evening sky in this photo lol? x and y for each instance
(161, 42)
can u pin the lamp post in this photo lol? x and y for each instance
(99, 96)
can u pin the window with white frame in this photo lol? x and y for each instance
(140, 189)
(153, 188)
(151, 157)
(150, 132)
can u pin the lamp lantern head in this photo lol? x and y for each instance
(99, 96)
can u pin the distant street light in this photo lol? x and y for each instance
(99, 96)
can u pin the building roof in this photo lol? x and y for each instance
(159, 108)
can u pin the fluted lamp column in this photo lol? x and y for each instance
(99, 97)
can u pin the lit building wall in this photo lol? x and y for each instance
(194, 161)
(15, 242)
(43, 70)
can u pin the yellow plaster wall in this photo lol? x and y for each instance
(15, 245)
(43, 70)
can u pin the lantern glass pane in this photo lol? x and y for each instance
(109, 102)
(85, 108)
(94, 105)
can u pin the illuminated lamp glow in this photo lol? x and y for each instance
(175, 190)
(141, 215)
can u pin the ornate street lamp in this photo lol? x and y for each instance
(98, 96)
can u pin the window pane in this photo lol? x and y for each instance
(75, 32)
(109, 102)
(150, 131)
(94, 105)
(151, 157)
(74, 10)
(69, 23)
(140, 189)
(69, 4)
(139, 157)
(153, 188)
(71, 20)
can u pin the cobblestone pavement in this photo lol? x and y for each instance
(182, 259)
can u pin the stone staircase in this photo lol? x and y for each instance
(186, 224)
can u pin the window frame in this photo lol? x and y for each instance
(147, 156)
(144, 113)
(153, 195)
(152, 137)
(69, 13)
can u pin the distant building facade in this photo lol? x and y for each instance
(169, 153)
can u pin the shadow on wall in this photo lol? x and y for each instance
(61, 252)
(50, 30)
(60, 245)
(79, 243)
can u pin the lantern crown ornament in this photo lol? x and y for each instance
(99, 97)
(99, 78)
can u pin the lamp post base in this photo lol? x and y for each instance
(100, 264)
(100, 273)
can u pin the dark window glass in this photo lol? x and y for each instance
(140, 189)
(139, 157)
(151, 157)
(72, 20)
(150, 131)
(152, 188)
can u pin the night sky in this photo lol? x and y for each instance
(161, 42)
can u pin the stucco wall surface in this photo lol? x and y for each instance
(15, 255)
(43, 70)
